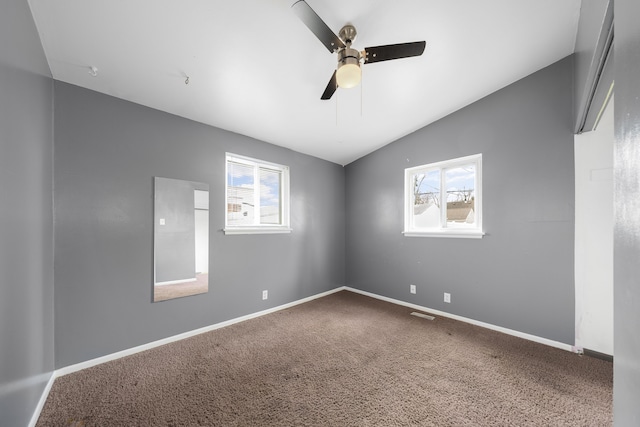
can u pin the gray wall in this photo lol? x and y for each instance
(26, 216)
(107, 153)
(175, 241)
(520, 275)
(626, 391)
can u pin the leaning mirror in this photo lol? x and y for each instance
(180, 238)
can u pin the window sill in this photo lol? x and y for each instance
(257, 230)
(460, 234)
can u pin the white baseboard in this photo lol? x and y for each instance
(109, 357)
(518, 334)
(113, 356)
(43, 400)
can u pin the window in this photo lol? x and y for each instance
(257, 196)
(444, 199)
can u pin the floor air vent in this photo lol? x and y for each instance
(424, 316)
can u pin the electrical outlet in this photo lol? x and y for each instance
(412, 289)
(447, 297)
(265, 294)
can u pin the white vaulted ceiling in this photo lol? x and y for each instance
(255, 69)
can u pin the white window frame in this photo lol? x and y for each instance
(472, 232)
(283, 227)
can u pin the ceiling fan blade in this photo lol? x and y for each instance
(317, 26)
(393, 51)
(331, 87)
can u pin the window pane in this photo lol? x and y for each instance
(270, 196)
(460, 188)
(240, 194)
(426, 199)
(444, 199)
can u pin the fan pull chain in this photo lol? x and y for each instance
(337, 97)
(361, 90)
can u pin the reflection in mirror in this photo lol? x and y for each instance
(181, 239)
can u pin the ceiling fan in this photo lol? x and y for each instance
(348, 72)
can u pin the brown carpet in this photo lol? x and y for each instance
(341, 360)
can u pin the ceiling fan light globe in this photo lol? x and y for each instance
(349, 75)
